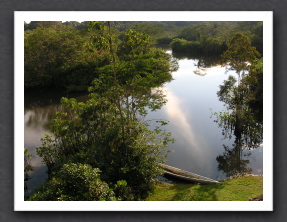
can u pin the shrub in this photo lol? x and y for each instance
(75, 182)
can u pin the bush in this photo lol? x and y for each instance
(74, 182)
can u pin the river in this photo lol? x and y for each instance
(192, 98)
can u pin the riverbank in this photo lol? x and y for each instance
(243, 188)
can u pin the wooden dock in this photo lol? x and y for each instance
(185, 175)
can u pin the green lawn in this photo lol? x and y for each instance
(239, 189)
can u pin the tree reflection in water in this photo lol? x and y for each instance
(248, 135)
(243, 118)
(240, 121)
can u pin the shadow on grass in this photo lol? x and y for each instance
(238, 189)
(193, 192)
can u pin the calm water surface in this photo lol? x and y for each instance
(191, 100)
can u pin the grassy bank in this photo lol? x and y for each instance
(239, 189)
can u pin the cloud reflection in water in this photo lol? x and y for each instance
(187, 139)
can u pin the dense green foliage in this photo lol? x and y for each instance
(221, 30)
(240, 54)
(61, 55)
(212, 37)
(254, 31)
(108, 131)
(74, 182)
(56, 56)
(255, 84)
(207, 45)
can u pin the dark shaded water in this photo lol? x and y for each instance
(191, 100)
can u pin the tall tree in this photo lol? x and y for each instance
(108, 131)
(240, 119)
(239, 55)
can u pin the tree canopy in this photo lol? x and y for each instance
(240, 54)
(108, 132)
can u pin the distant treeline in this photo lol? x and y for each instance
(121, 25)
(62, 54)
(212, 37)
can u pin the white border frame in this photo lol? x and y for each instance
(21, 16)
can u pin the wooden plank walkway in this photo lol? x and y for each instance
(185, 175)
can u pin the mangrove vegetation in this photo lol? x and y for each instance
(103, 148)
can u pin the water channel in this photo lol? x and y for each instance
(192, 97)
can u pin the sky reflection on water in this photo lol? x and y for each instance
(198, 139)
(190, 99)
